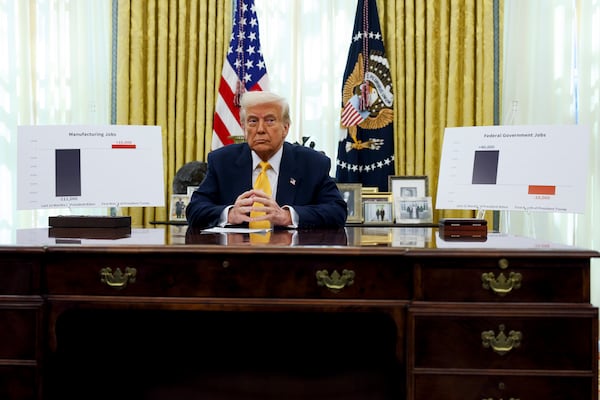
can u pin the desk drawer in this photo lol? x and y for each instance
(18, 333)
(461, 387)
(19, 275)
(524, 337)
(503, 279)
(17, 383)
(238, 275)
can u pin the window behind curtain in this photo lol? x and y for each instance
(55, 69)
(305, 45)
(552, 69)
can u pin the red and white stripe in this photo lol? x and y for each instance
(227, 115)
(350, 115)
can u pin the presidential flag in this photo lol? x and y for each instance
(366, 152)
(243, 70)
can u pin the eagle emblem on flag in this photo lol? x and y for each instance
(375, 88)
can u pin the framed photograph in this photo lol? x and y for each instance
(378, 208)
(415, 210)
(352, 195)
(179, 203)
(408, 186)
(377, 196)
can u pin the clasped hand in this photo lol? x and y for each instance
(244, 204)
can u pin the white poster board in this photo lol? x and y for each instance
(514, 168)
(77, 166)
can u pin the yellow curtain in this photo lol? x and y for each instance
(169, 60)
(442, 62)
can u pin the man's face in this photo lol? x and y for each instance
(264, 129)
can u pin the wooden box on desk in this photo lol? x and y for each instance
(463, 228)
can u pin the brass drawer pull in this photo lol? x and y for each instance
(501, 285)
(501, 343)
(335, 282)
(117, 279)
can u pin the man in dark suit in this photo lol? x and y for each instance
(303, 193)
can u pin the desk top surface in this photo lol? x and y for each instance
(380, 239)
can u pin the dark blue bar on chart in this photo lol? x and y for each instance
(68, 172)
(485, 167)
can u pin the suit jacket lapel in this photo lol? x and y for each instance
(242, 165)
(288, 180)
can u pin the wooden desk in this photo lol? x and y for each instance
(369, 313)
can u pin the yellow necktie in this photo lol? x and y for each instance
(262, 183)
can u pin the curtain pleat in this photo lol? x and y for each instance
(170, 56)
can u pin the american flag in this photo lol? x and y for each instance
(351, 114)
(244, 70)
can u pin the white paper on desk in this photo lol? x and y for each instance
(219, 229)
(523, 168)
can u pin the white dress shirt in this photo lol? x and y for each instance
(273, 175)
